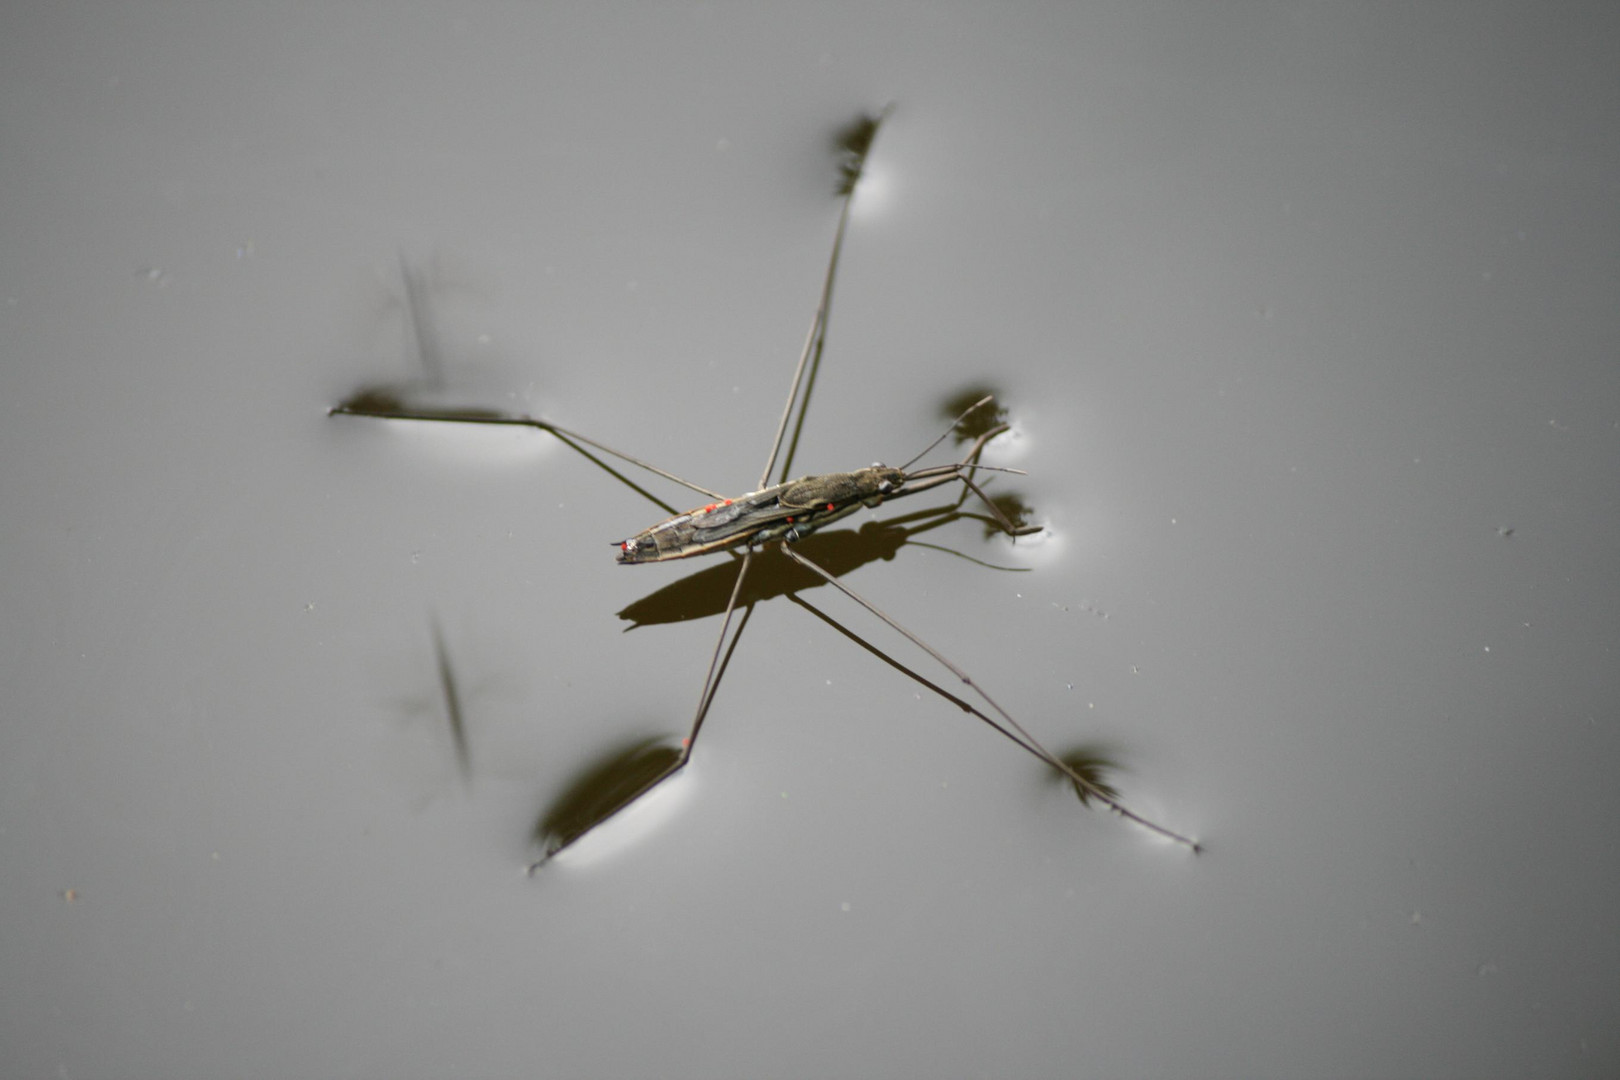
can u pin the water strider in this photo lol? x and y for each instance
(780, 513)
(792, 510)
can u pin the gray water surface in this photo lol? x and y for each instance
(1305, 318)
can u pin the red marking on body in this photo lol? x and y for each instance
(829, 506)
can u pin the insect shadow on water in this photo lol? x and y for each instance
(789, 515)
(454, 713)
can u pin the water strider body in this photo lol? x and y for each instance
(787, 511)
(796, 508)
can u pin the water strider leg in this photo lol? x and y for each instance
(856, 143)
(859, 144)
(1028, 741)
(395, 411)
(935, 475)
(711, 683)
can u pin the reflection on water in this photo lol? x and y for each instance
(1091, 763)
(452, 704)
(853, 142)
(974, 424)
(615, 780)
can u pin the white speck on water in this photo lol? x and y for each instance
(844, 906)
